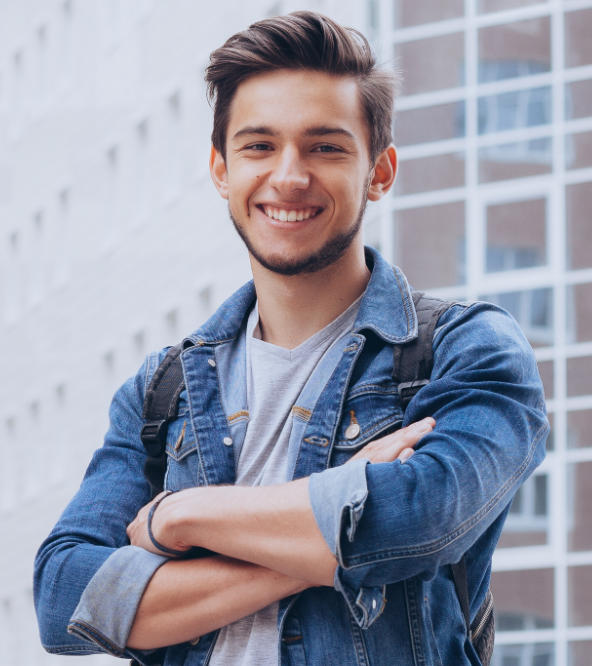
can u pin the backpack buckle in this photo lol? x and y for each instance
(153, 436)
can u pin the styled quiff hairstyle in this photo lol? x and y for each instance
(301, 40)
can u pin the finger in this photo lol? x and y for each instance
(405, 455)
(394, 444)
(414, 432)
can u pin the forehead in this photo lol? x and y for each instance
(291, 101)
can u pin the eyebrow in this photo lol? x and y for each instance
(321, 130)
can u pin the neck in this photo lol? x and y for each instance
(292, 308)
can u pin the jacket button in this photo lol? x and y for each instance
(212, 362)
(352, 431)
(227, 441)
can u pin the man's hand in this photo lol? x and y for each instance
(138, 531)
(396, 446)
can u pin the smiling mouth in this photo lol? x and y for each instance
(292, 215)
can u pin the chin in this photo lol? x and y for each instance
(316, 260)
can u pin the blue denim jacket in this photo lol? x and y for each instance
(394, 528)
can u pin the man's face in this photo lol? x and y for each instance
(297, 168)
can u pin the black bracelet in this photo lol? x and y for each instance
(155, 543)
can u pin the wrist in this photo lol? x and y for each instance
(163, 525)
(179, 519)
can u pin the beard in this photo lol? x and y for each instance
(326, 255)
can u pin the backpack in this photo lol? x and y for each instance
(412, 367)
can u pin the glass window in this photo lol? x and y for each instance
(532, 309)
(579, 653)
(578, 150)
(411, 12)
(514, 49)
(579, 376)
(528, 521)
(429, 244)
(578, 204)
(524, 654)
(433, 63)
(515, 160)
(579, 313)
(523, 599)
(514, 110)
(431, 123)
(578, 45)
(484, 6)
(579, 428)
(547, 373)
(436, 172)
(579, 497)
(579, 583)
(577, 99)
(516, 235)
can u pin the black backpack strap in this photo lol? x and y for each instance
(161, 403)
(412, 362)
(412, 367)
(459, 575)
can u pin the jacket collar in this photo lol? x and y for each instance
(386, 308)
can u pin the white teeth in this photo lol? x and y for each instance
(284, 215)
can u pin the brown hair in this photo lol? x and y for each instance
(301, 40)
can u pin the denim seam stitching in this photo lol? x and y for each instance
(406, 303)
(60, 649)
(367, 389)
(183, 452)
(356, 355)
(376, 427)
(440, 331)
(89, 632)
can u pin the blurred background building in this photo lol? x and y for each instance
(113, 243)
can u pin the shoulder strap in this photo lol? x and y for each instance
(160, 408)
(412, 367)
(412, 362)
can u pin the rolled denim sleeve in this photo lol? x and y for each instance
(123, 576)
(76, 577)
(339, 493)
(337, 498)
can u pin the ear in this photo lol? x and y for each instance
(383, 173)
(218, 172)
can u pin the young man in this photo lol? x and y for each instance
(326, 541)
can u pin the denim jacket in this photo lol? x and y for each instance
(394, 528)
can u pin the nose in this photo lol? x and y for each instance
(289, 173)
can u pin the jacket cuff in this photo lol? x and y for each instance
(108, 605)
(337, 497)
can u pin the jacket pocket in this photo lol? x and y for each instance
(183, 468)
(369, 412)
